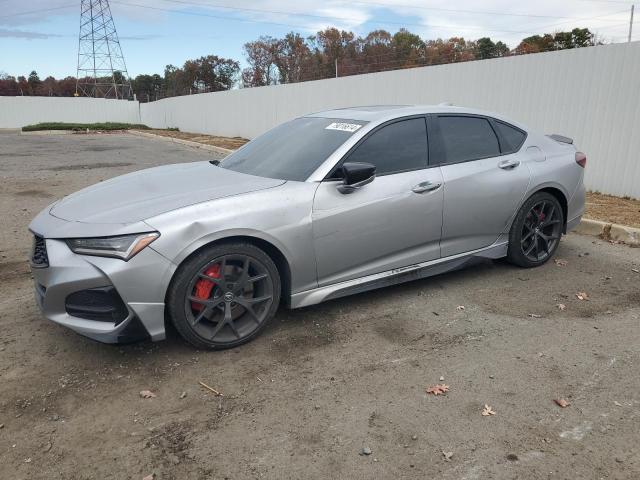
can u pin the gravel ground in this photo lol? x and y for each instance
(325, 382)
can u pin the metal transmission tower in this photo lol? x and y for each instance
(102, 71)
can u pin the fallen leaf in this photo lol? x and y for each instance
(442, 379)
(447, 455)
(635, 270)
(438, 389)
(607, 277)
(487, 411)
(147, 394)
(582, 296)
(561, 306)
(535, 315)
(616, 403)
(460, 307)
(562, 402)
(561, 263)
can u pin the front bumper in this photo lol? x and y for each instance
(141, 283)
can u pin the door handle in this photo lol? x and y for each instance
(426, 187)
(508, 164)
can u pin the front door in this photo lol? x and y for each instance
(393, 222)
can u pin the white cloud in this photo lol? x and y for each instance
(440, 18)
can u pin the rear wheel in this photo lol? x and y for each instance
(536, 231)
(224, 295)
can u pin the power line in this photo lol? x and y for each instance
(586, 18)
(288, 25)
(608, 1)
(301, 14)
(422, 25)
(303, 27)
(42, 10)
(473, 12)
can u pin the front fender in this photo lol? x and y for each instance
(280, 216)
(198, 241)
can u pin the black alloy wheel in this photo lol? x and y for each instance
(536, 231)
(224, 296)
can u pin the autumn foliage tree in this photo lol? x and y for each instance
(295, 58)
(576, 38)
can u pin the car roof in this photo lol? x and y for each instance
(378, 113)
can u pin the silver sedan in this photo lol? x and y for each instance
(326, 205)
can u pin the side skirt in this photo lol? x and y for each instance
(397, 275)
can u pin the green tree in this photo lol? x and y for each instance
(407, 46)
(33, 82)
(486, 48)
(501, 49)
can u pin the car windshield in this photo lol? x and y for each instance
(293, 150)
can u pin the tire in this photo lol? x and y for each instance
(214, 305)
(539, 220)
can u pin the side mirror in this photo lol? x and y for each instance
(356, 175)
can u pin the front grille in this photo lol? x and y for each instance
(39, 258)
(102, 304)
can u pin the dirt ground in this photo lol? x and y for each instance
(324, 382)
(625, 211)
(224, 142)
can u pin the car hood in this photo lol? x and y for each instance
(146, 193)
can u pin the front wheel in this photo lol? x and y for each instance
(224, 295)
(536, 231)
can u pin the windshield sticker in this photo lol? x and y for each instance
(343, 127)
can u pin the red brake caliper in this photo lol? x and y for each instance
(203, 286)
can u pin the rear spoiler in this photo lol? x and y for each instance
(561, 139)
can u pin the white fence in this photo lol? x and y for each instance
(16, 112)
(589, 94)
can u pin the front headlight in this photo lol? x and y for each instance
(123, 247)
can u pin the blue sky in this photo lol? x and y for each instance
(155, 33)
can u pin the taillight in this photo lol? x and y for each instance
(581, 159)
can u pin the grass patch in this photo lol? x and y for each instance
(81, 127)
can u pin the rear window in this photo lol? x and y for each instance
(293, 150)
(468, 138)
(512, 136)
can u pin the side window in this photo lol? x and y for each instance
(398, 147)
(468, 138)
(512, 136)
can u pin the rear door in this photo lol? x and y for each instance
(484, 177)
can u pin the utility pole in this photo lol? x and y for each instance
(101, 71)
(631, 23)
(336, 68)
